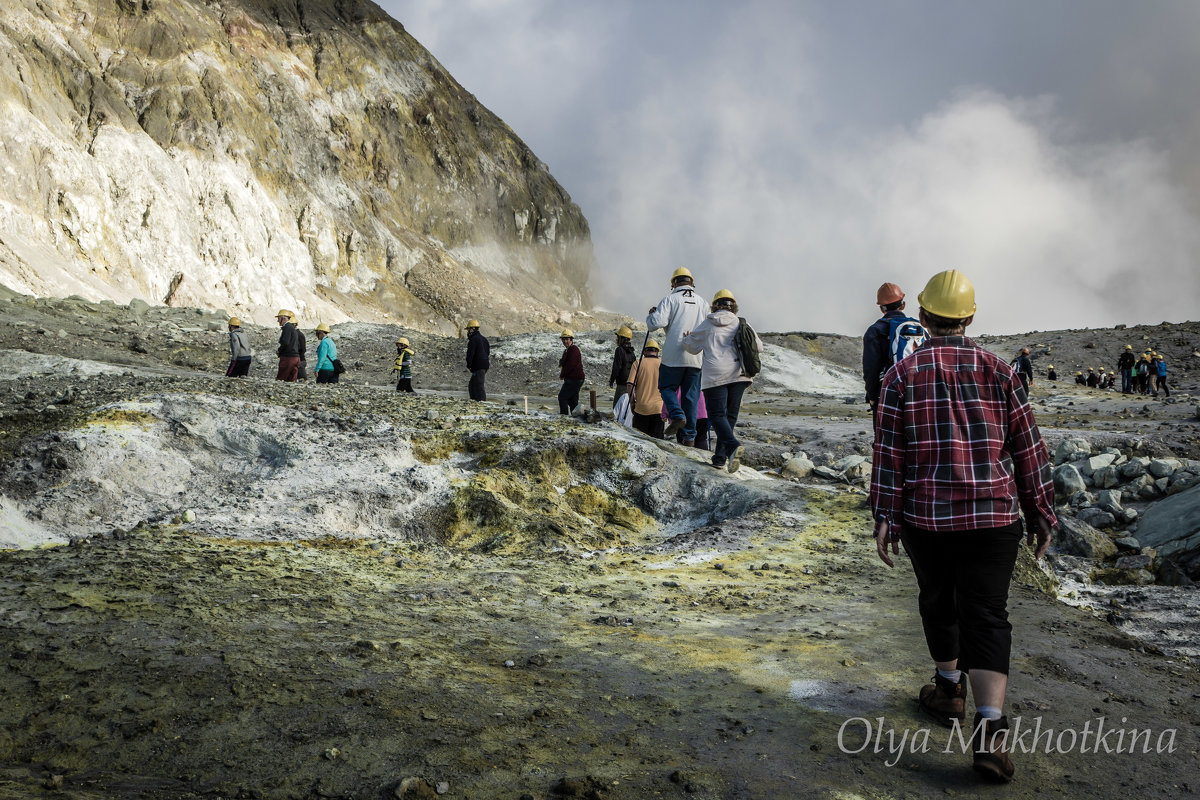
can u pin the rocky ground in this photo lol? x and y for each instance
(301, 591)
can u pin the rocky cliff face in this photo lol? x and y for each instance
(250, 154)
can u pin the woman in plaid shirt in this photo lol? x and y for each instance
(957, 457)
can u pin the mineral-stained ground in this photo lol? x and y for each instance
(300, 591)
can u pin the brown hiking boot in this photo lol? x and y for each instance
(989, 749)
(944, 700)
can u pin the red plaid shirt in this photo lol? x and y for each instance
(956, 444)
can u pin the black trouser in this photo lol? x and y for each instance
(568, 396)
(405, 385)
(701, 440)
(649, 424)
(475, 387)
(1160, 385)
(238, 368)
(723, 404)
(963, 578)
(327, 376)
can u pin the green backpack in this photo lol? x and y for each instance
(747, 347)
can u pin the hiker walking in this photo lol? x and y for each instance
(1125, 363)
(724, 379)
(239, 350)
(289, 347)
(623, 358)
(678, 313)
(570, 370)
(1024, 368)
(326, 355)
(1143, 374)
(404, 365)
(645, 399)
(957, 455)
(478, 360)
(889, 339)
(1160, 375)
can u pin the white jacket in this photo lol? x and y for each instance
(677, 313)
(715, 337)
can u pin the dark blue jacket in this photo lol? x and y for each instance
(876, 358)
(478, 352)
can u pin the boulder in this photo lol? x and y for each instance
(798, 466)
(1072, 449)
(1097, 517)
(828, 473)
(1163, 467)
(1135, 467)
(1139, 561)
(1129, 543)
(1181, 482)
(1106, 477)
(844, 464)
(1097, 462)
(1109, 501)
(1123, 577)
(1172, 526)
(1067, 480)
(1077, 538)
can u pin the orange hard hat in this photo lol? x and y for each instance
(888, 293)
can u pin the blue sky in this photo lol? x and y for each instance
(801, 153)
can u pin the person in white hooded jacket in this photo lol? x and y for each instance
(677, 314)
(722, 378)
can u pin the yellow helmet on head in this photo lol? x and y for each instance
(1128, 347)
(323, 328)
(234, 322)
(723, 294)
(682, 272)
(949, 295)
(472, 323)
(567, 334)
(402, 342)
(652, 345)
(283, 312)
(624, 331)
(1051, 366)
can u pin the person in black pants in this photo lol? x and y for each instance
(478, 360)
(571, 372)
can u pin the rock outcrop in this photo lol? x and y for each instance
(251, 154)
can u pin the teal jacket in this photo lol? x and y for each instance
(326, 353)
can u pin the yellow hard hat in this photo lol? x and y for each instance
(949, 294)
(682, 272)
(1102, 369)
(1161, 357)
(567, 334)
(723, 294)
(1078, 373)
(1091, 369)
(1051, 366)
(1128, 347)
(234, 322)
(652, 345)
(624, 331)
(323, 328)
(283, 312)
(472, 323)
(402, 341)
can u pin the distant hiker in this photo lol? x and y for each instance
(1142, 375)
(1108, 381)
(677, 314)
(1126, 363)
(289, 347)
(1051, 375)
(302, 369)
(570, 369)
(723, 378)
(892, 337)
(1024, 368)
(1160, 375)
(1079, 379)
(1092, 380)
(326, 355)
(642, 386)
(239, 350)
(623, 358)
(404, 366)
(957, 456)
(1102, 379)
(478, 360)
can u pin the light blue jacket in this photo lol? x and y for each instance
(326, 353)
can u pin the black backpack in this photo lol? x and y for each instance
(747, 347)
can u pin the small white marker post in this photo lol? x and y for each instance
(526, 405)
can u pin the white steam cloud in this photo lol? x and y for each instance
(730, 158)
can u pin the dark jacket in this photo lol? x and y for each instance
(622, 362)
(876, 359)
(1126, 360)
(289, 341)
(478, 352)
(1023, 366)
(303, 344)
(571, 364)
